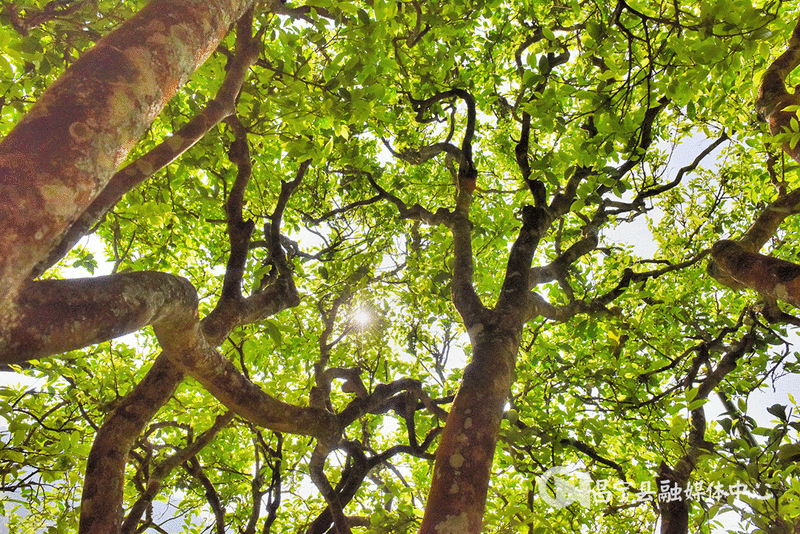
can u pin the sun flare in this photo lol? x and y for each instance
(362, 317)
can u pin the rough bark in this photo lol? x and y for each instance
(61, 155)
(58, 316)
(104, 481)
(462, 469)
(771, 277)
(773, 96)
(770, 220)
(217, 109)
(674, 513)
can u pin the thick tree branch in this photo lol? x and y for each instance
(239, 230)
(770, 219)
(521, 148)
(101, 500)
(316, 468)
(129, 526)
(277, 253)
(674, 513)
(771, 277)
(58, 316)
(773, 96)
(726, 365)
(465, 297)
(562, 201)
(514, 292)
(217, 109)
(62, 154)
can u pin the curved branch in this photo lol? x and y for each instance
(770, 220)
(316, 468)
(645, 138)
(129, 526)
(415, 212)
(773, 96)
(58, 316)
(277, 254)
(344, 209)
(239, 230)
(513, 295)
(34, 18)
(101, 500)
(592, 453)
(467, 173)
(359, 467)
(539, 307)
(685, 169)
(558, 267)
(425, 153)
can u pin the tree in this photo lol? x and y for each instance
(372, 190)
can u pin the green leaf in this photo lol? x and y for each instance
(327, 150)
(778, 410)
(273, 331)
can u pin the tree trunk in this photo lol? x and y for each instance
(62, 154)
(463, 464)
(672, 502)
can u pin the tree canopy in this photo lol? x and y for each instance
(399, 266)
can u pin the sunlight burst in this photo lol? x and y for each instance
(362, 317)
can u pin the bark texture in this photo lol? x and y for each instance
(674, 513)
(773, 96)
(771, 277)
(61, 155)
(104, 481)
(462, 470)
